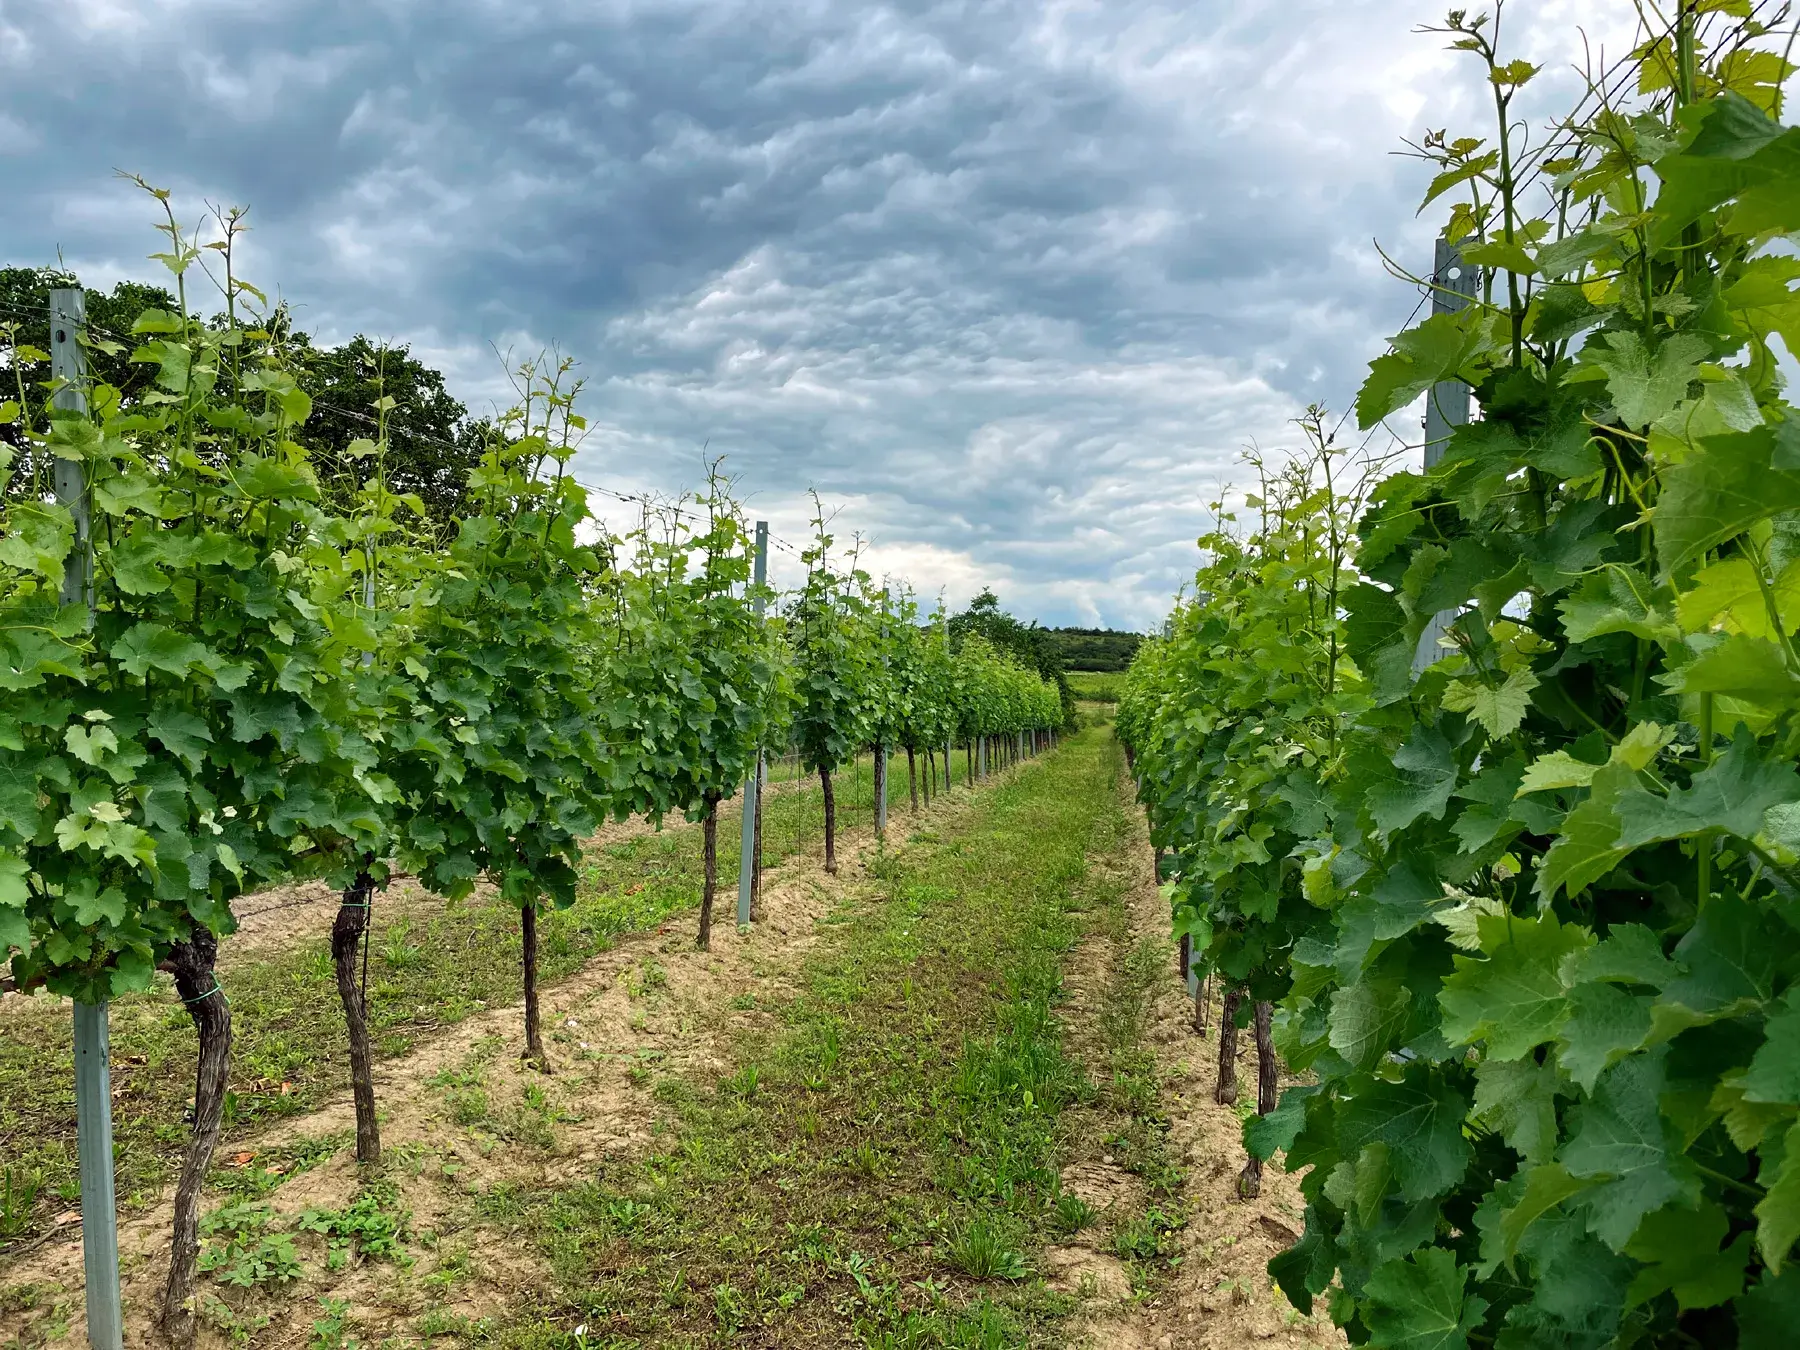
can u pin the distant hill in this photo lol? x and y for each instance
(1094, 648)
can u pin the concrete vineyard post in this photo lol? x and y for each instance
(93, 1076)
(747, 859)
(1446, 407)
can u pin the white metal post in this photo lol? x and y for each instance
(747, 859)
(1446, 408)
(93, 1077)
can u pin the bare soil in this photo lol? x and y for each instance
(1216, 1293)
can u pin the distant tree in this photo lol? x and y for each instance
(1103, 649)
(1031, 644)
(25, 332)
(432, 440)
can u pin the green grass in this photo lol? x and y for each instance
(426, 971)
(1097, 686)
(885, 1168)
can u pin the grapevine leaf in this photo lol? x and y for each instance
(1443, 347)
(1730, 593)
(1774, 1072)
(150, 646)
(1731, 955)
(1716, 494)
(1645, 383)
(1620, 1140)
(1366, 1019)
(1499, 711)
(1604, 1025)
(1681, 1254)
(1427, 777)
(1512, 997)
(1546, 1186)
(1587, 846)
(15, 929)
(1556, 770)
(1769, 1312)
(1614, 600)
(1265, 1136)
(1421, 1303)
(1778, 1212)
(1517, 1098)
(1746, 668)
(1631, 954)
(1420, 1119)
(1730, 794)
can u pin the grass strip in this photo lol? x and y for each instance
(884, 1169)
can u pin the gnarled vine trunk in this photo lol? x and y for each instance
(1267, 1089)
(534, 1039)
(194, 963)
(756, 848)
(347, 930)
(1226, 1094)
(710, 886)
(830, 823)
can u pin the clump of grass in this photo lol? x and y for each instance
(982, 1251)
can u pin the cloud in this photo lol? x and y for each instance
(1011, 283)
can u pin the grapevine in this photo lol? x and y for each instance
(1536, 886)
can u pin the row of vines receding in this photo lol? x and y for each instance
(1502, 823)
(256, 680)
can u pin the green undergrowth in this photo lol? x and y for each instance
(884, 1168)
(425, 971)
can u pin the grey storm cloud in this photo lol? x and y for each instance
(1012, 284)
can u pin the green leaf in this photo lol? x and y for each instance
(1513, 998)
(1747, 668)
(1731, 955)
(1265, 1136)
(150, 646)
(1730, 794)
(1426, 779)
(1778, 1212)
(1420, 1119)
(1443, 347)
(1617, 600)
(1681, 1253)
(1587, 844)
(1774, 1072)
(1517, 1099)
(1421, 1303)
(1499, 711)
(1546, 1187)
(1725, 486)
(1558, 769)
(1367, 1018)
(1645, 383)
(1769, 1312)
(1620, 1140)
(1603, 1026)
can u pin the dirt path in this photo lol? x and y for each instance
(1169, 1164)
(464, 1122)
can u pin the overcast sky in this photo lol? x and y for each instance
(1011, 282)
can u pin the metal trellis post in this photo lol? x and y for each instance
(747, 854)
(881, 750)
(93, 1078)
(1446, 408)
